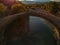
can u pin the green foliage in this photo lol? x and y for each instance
(19, 7)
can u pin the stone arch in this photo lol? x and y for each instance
(24, 16)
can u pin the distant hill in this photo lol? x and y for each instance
(36, 2)
(33, 2)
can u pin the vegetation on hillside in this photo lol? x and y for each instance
(19, 7)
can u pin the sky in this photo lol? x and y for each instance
(35, 0)
(41, 0)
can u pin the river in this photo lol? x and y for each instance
(41, 34)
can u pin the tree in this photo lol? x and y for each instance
(3, 10)
(54, 8)
(17, 8)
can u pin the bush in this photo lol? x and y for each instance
(17, 8)
(3, 10)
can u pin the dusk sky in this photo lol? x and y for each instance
(41, 0)
(35, 0)
(38, 0)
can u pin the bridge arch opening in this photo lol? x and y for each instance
(36, 20)
(42, 26)
(41, 31)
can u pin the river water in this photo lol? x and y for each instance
(40, 25)
(41, 34)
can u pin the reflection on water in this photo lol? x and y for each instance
(41, 34)
(39, 25)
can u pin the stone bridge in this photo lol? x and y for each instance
(20, 22)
